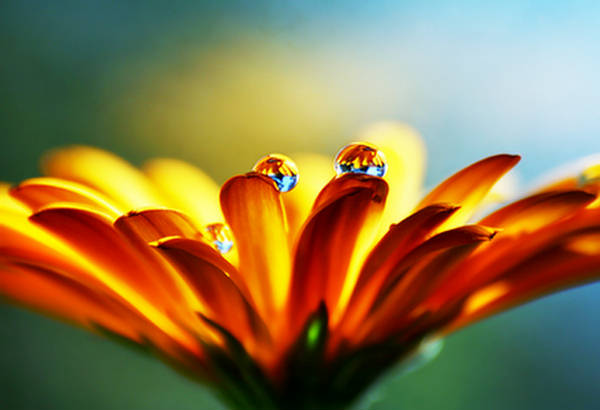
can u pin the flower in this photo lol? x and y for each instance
(286, 296)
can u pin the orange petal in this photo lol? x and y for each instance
(254, 211)
(418, 276)
(224, 301)
(7, 202)
(186, 188)
(333, 244)
(104, 172)
(506, 252)
(553, 269)
(391, 249)
(37, 193)
(469, 187)
(535, 211)
(124, 266)
(59, 296)
(154, 224)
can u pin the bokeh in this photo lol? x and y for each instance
(222, 83)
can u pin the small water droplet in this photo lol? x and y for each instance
(361, 158)
(280, 169)
(220, 235)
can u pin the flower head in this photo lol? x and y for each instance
(285, 296)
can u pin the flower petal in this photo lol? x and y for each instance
(254, 211)
(417, 276)
(104, 172)
(37, 193)
(551, 270)
(7, 202)
(186, 188)
(490, 263)
(154, 224)
(333, 244)
(55, 294)
(114, 263)
(538, 210)
(469, 187)
(224, 301)
(315, 172)
(391, 249)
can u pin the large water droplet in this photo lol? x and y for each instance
(280, 169)
(361, 158)
(220, 235)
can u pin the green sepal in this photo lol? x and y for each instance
(240, 381)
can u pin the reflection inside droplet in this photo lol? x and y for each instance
(220, 235)
(280, 169)
(361, 158)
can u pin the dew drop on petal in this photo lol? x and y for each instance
(361, 158)
(280, 169)
(220, 235)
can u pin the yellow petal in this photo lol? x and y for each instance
(186, 188)
(104, 172)
(7, 202)
(38, 193)
(315, 172)
(405, 153)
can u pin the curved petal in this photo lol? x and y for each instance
(109, 261)
(7, 202)
(186, 188)
(59, 296)
(551, 270)
(421, 272)
(405, 154)
(38, 193)
(105, 172)
(254, 211)
(333, 244)
(468, 187)
(154, 224)
(391, 249)
(538, 210)
(223, 300)
(490, 263)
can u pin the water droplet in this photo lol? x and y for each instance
(280, 169)
(361, 158)
(220, 235)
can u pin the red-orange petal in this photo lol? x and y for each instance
(333, 242)
(125, 267)
(224, 302)
(254, 211)
(59, 296)
(154, 224)
(469, 186)
(395, 245)
(537, 211)
(419, 274)
(555, 268)
(37, 193)
(505, 253)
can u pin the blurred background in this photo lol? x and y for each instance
(222, 83)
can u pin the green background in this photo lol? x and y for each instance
(222, 83)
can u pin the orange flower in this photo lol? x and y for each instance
(283, 296)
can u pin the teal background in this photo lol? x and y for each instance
(222, 83)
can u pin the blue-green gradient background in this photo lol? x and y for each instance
(222, 83)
